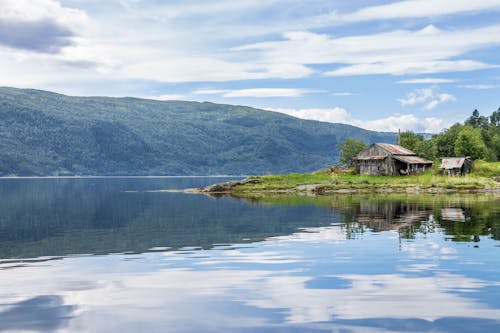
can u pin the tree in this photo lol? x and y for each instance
(410, 140)
(496, 146)
(426, 149)
(445, 141)
(469, 142)
(495, 118)
(475, 120)
(349, 149)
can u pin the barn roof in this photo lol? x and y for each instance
(412, 159)
(366, 158)
(395, 149)
(452, 162)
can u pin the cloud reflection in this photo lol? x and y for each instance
(261, 287)
(40, 313)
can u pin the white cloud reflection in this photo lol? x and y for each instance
(232, 284)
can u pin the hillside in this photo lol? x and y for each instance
(44, 133)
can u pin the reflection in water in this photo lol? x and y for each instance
(341, 264)
(274, 285)
(453, 214)
(40, 313)
(47, 217)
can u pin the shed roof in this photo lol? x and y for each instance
(453, 214)
(395, 149)
(452, 162)
(412, 159)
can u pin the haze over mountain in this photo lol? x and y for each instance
(44, 133)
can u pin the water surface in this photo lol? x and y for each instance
(107, 255)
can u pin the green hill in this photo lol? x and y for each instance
(43, 133)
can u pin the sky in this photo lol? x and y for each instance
(419, 65)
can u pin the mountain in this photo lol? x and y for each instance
(44, 133)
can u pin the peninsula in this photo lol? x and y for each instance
(485, 177)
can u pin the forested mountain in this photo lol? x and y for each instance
(44, 133)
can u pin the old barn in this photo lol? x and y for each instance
(388, 159)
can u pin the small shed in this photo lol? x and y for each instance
(456, 166)
(389, 159)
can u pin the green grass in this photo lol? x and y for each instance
(486, 169)
(483, 177)
(340, 201)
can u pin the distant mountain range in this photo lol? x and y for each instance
(44, 133)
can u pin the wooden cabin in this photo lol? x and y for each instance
(456, 166)
(389, 159)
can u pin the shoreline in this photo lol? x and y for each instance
(117, 177)
(330, 183)
(410, 190)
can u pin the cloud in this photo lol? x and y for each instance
(395, 52)
(407, 122)
(168, 97)
(401, 68)
(164, 11)
(193, 41)
(42, 36)
(256, 92)
(39, 26)
(210, 91)
(342, 94)
(427, 96)
(335, 115)
(189, 68)
(410, 9)
(428, 80)
(480, 86)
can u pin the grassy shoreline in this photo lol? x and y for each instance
(484, 178)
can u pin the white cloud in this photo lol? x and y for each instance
(164, 11)
(210, 91)
(395, 52)
(410, 9)
(335, 115)
(39, 10)
(342, 94)
(256, 92)
(429, 80)
(401, 68)
(407, 122)
(158, 41)
(167, 97)
(124, 47)
(189, 68)
(480, 86)
(427, 96)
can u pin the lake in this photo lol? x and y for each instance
(119, 255)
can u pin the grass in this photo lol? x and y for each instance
(341, 200)
(486, 169)
(483, 177)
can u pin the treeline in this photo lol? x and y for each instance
(478, 137)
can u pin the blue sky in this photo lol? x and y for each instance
(417, 65)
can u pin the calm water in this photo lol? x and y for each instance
(113, 255)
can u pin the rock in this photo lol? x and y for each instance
(221, 187)
(251, 180)
(307, 187)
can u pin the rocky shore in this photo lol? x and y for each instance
(251, 185)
